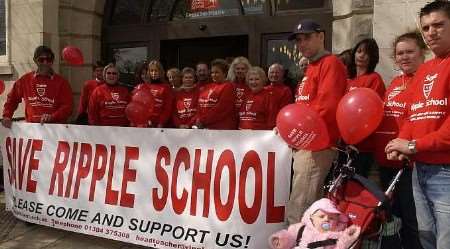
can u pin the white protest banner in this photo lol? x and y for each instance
(163, 188)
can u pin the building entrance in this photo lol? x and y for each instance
(187, 52)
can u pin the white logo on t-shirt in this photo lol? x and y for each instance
(394, 93)
(115, 96)
(428, 84)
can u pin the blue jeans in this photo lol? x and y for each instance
(431, 189)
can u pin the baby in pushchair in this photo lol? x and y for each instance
(322, 226)
(360, 209)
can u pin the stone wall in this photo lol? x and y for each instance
(80, 25)
(392, 18)
(352, 22)
(383, 20)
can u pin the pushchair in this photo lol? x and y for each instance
(361, 199)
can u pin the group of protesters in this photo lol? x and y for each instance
(222, 96)
(211, 96)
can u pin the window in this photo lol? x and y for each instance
(280, 50)
(284, 5)
(253, 6)
(160, 9)
(2, 28)
(128, 12)
(126, 59)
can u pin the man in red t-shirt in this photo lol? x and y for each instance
(425, 135)
(47, 95)
(88, 87)
(321, 88)
(202, 73)
(281, 94)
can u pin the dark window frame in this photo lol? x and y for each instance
(4, 31)
(256, 26)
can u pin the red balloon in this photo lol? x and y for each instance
(2, 86)
(72, 55)
(302, 127)
(358, 114)
(143, 96)
(137, 114)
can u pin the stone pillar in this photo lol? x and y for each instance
(393, 18)
(352, 22)
(80, 25)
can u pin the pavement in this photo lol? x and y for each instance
(18, 234)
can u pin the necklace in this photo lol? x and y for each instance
(405, 83)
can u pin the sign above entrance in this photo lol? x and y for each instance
(209, 8)
(204, 5)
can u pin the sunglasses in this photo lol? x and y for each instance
(111, 73)
(44, 60)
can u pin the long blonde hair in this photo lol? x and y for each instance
(159, 66)
(231, 76)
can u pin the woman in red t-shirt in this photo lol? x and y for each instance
(257, 110)
(108, 101)
(236, 75)
(186, 99)
(216, 109)
(174, 78)
(409, 50)
(161, 111)
(365, 57)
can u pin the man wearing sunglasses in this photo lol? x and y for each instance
(47, 96)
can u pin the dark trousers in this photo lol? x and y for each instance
(403, 205)
(363, 163)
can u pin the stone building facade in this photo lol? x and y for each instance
(57, 23)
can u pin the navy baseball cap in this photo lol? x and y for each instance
(306, 26)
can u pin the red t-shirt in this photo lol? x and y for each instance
(257, 111)
(322, 88)
(393, 118)
(107, 106)
(281, 96)
(241, 90)
(216, 106)
(162, 99)
(186, 101)
(376, 83)
(88, 88)
(42, 95)
(428, 111)
(371, 80)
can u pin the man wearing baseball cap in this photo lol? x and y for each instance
(321, 88)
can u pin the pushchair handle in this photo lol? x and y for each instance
(394, 181)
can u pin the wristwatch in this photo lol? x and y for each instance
(412, 146)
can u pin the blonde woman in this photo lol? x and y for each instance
(236, 75)
(162, 94)
(257, 110)
(174, 77)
